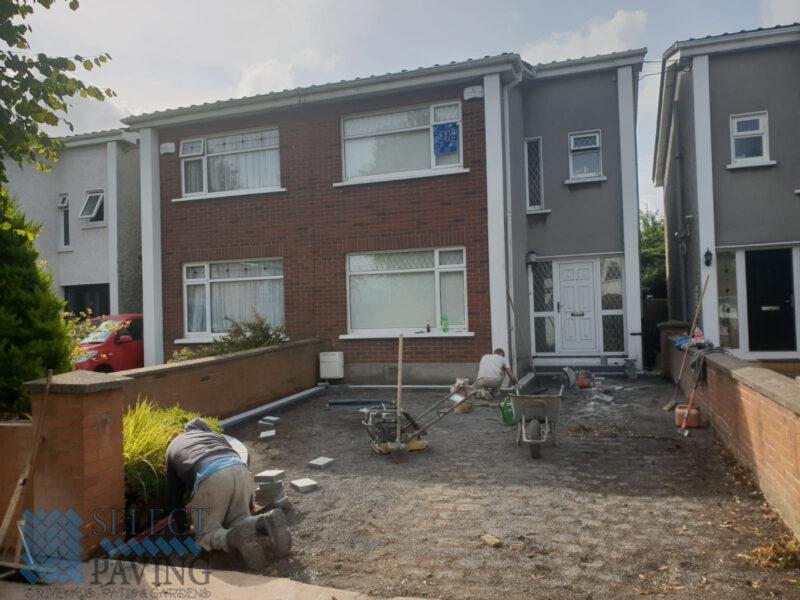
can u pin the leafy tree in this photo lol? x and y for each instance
(33, 337)
(34, 89)
(653, 264)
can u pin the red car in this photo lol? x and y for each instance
(115, 345)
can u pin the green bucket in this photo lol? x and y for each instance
(506, 412)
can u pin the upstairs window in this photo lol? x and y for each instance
(231, 163)
(407, 141)
(749, 139)
(92, 209)
(533, 159)
(63, 209)
(585, 159)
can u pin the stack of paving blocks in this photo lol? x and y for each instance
(270, 493)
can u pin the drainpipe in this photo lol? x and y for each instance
(512, 355)
(685, 233)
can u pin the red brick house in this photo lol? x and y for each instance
(352, 212)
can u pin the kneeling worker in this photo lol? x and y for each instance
(203, 462)
(492, 370)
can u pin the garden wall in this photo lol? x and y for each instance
(80, 464)
(756, 413)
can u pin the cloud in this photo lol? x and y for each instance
(779, 12)
(625, 30)
(266, 76)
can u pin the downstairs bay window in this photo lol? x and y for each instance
(215, 292)
(399, 292)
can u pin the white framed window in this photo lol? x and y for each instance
(232, 163)
(400, 291)
(410, 141)
(749, 139)
(534, 187)
(93, 210)
(63, 214)
(585, 156)
(214, 292)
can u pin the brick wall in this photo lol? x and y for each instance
(221, 386)
(756, 413)
(313, 225)
(16, 439)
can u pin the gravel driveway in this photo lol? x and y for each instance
(623, 507)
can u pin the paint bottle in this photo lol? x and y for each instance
(445, 329)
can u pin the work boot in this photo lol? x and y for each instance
(277, 538)
(253, 555)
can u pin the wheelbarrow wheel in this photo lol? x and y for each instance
(533, 433)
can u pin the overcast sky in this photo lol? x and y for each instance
(171, 53)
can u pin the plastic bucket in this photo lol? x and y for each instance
(506, 412)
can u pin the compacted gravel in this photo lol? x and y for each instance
(623, 507)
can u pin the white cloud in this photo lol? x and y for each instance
(779, 12)
(625, 30)
(266, 76)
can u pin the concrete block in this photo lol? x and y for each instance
(269, 419)
(265, 435)
(268, 493)
(304, 485)
(270, 475)
(321, 462)
(266, 424)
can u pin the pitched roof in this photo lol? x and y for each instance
(746, 38)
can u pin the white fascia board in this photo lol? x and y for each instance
(734, 42)
(630, 211)
(103, 137)
(705, 192)
(495, 210)
(599, 63)
(329, 92)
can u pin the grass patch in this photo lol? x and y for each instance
(148, 430)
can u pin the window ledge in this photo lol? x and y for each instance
(380, 334)
(272, 190)
(93, 225)
(206, 339)
(749, 165)
(64, 249)
(578, 180)
(400, 176)
(544, 211)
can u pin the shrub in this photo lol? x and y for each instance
(33, 337)
(148, 430)
(242, 335)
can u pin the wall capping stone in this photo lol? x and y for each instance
(78, 382)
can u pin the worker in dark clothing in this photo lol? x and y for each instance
(202, 462)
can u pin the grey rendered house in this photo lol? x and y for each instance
(574, 210)
(727, 156)
(88, 207)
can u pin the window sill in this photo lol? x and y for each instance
(271, 190)
(752, 165)
(578, 180)
(383, 334)
(544, 211)
(64, 249)
(400, 176)
(93, 225)
(205, 339)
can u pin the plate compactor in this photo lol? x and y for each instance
(382, 422)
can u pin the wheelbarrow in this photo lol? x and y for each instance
(537, 418)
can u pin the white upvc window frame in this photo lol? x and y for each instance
(208, 335)
(762, 132)
(573, 151)
(437, 269)
(201, 154)
(89, 219)
(541, 206)
(64, 231)
(432, 170)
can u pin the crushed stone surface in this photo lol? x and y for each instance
(623, 507)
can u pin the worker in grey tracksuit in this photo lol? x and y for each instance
(202, 462)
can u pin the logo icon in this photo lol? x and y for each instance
(52, 547)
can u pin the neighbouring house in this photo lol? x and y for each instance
(480, 204)
(88, 207)
(726, 155)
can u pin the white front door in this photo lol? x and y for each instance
(575, 314)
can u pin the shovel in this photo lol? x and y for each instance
(398, 449)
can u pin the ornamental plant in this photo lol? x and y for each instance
(242, 335)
